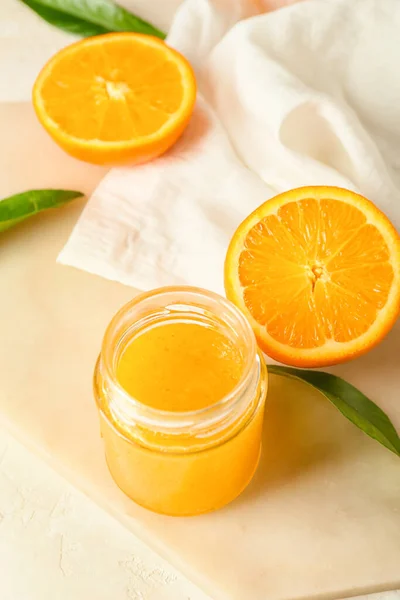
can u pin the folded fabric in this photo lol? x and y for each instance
(168, 222)
(308, 94)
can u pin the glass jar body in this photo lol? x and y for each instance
(204, 459)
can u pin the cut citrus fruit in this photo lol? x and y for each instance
(115, 98)
(316, 270)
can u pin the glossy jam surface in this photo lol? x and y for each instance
(180, 366)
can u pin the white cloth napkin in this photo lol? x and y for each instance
(308, 94)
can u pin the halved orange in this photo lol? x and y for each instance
(316, 270)
(115, 98)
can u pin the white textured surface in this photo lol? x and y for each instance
(56, 543)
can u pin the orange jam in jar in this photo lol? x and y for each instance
(180, 388)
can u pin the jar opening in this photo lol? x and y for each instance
(178, 305)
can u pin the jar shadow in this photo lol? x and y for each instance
(304, 433)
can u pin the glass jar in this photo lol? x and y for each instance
(181, 463)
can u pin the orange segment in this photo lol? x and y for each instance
(317, 272)
(115, 98)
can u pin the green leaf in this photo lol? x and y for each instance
(64, 21)
(90, 17)
(19, 207)
(352, 403)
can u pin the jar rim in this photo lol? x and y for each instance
(214, 412)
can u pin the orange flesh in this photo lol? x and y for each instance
(310, 266)
(122, 92)
(180, 366)
(115, 98)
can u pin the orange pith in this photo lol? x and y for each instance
(317, 272)
(116, 97)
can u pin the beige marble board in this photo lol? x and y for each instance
(322, 516)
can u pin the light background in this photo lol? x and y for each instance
(55, 542)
